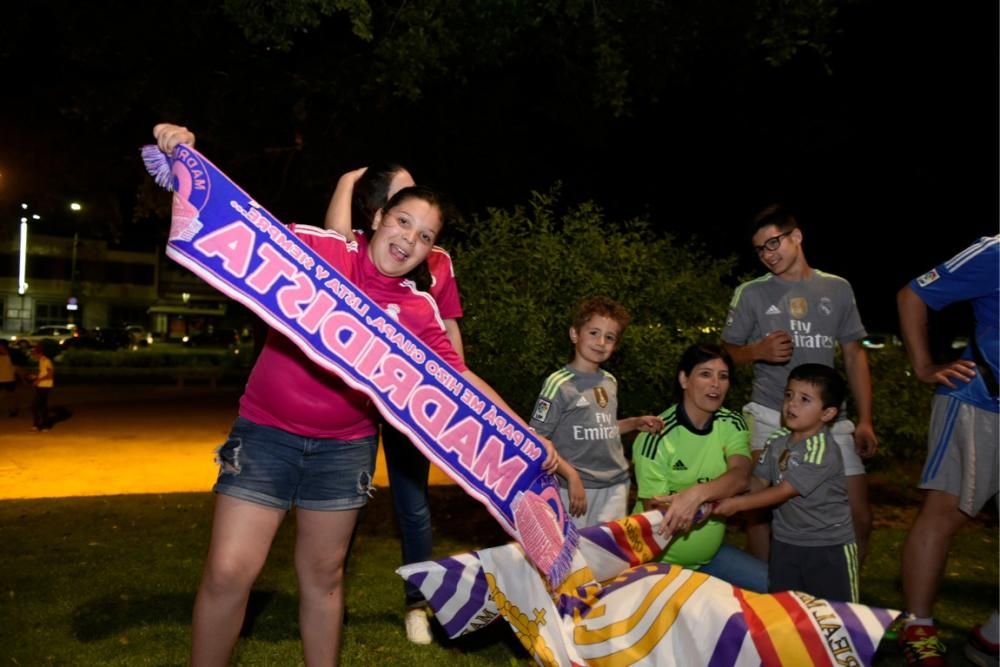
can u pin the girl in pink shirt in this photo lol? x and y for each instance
(304, 438)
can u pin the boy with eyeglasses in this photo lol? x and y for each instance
(791, 316)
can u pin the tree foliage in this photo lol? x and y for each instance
(310, 82)
(901, 404)
(613, 51)
(278, 23)
(523, 272)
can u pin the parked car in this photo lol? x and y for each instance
(138, 335)
(58, 334)
(99, 339)
(224, 338)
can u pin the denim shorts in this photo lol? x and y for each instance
(278, 469)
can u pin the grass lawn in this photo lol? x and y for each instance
(111, 581)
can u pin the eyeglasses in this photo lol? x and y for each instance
(772, 243)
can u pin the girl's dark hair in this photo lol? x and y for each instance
(421, 274)
(699, 353)
(371, 192)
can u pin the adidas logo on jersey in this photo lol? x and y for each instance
(773, 310)
(582, 403)
(680, 465)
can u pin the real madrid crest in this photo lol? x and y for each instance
(798, 307)
(601, 394)
(783, 460)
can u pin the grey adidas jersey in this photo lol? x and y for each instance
(818, 312)
(820, 515)
(579, 413)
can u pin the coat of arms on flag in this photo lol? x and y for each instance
(618, 607)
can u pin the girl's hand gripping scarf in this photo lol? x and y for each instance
(230, 241)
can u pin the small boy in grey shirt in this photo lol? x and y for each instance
(801, 475)
(578, 409)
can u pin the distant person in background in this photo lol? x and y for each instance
(44, 380)
(791, 316)
(8, 379)
(960, 475)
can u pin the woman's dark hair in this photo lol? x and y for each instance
(371, 192)
(699, 353)
(421, 274)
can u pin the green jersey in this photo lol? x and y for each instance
(680, 456)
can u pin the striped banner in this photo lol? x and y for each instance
(616, 607)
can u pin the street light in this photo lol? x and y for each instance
(72, 303)
(22, 286)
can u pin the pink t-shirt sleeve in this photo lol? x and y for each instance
(445, 287)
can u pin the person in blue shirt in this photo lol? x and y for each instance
(961, 472)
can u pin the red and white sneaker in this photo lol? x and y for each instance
(981, 651)
(896, 627)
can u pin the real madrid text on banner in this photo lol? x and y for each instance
(229, 240)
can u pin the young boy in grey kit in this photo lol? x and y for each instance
(578, 409)
(801, 475)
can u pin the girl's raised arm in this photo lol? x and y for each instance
(338, 213)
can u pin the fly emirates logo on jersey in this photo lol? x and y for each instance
(802, 335)
(605, 429)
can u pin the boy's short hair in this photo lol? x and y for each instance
(831, 384)
(774, 214)
(603, 306)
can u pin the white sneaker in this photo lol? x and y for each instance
(418, 628)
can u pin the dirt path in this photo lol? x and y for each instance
(113, 440)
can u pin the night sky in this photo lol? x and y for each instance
(887, 147)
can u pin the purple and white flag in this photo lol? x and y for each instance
(618, 607)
